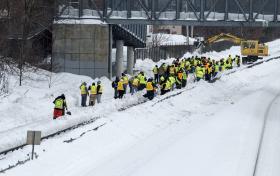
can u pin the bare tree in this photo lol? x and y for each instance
(24, 19)
(4, 83)
(158, 39)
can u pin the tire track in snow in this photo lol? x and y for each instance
(260, 145)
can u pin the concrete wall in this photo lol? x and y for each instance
(81, 49)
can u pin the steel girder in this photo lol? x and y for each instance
(179, 12)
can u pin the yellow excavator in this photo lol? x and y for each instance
(251, 50)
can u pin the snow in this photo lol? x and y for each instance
(209, 129)
(170, 39)
(80, 21)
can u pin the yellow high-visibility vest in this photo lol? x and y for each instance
(125, 80)
(167, 85)
(93, 90)
(142, 79)
(155, 70)
(59, 103)
(83, 89)
(135, 81)
(100, 89)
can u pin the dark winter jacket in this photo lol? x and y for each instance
(98, 88)
(64, 102)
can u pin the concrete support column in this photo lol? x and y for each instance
(119, 57)
(110, 48)
(188, 35)
(130, 60)
(192, 31)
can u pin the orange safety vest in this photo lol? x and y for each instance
(120, 85)
(180, 75)
(149, 86)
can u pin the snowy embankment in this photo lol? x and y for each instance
(30, 107)
(211, 129)
(163, 39)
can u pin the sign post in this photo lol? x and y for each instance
(33, 138)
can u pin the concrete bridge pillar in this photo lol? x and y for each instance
(130, 60)
(119, 57)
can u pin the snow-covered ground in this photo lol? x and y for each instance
(170, 39)
(209, 129)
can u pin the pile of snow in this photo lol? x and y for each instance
(79, 21)
(30, 106)
(162, 39)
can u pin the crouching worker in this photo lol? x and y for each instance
(150, 87)
(60, 106)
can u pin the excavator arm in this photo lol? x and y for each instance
(223, 37)
(218, 38)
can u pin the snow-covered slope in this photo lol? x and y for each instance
(170, 39)
(208, 123)
(30, 107)
(210, 129)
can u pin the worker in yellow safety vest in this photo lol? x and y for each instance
(156, 73)
(165, 87)
(84, 94)
(142, 81)
(99, 91)
(92, 94)
(125, 81)
(120, 89)
(199, 72)
(150, 87)
(60, 106)
(135, 85)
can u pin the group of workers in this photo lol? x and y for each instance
(94, 91)
(174, 76)
(166, 78)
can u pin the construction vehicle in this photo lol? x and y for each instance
(251, 50)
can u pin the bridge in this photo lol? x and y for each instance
(85, 47)
(251, 13)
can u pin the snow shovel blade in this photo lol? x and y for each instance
(68, 113)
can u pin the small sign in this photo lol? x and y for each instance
(33, 138)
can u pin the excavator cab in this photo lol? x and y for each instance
(252, 49)
(249, 47)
